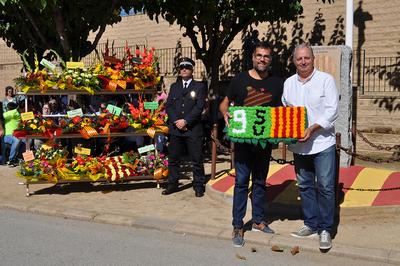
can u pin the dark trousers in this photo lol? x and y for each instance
(317, 170)
(250, 160)
(176, 148)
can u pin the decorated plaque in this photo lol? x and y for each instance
(151, 105)
(81, 150)
(28, 156)
(73, 65)
(115, 110)
(47, 64)
(146, 148)
(75, 112)
(257, 124)
(27, 116)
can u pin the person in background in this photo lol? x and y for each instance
(46, 109)
(314, 154)
(254, 87)
(11, 120)
(9, 97)
(37, 143)
(2, 159)
(184, 106)
(161, 139)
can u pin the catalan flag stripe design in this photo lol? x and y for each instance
(281, 185)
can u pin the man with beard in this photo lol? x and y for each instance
(252, 88)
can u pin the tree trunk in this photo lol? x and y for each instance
(213, 89)
(60, 26)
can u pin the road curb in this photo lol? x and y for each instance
(379, 255)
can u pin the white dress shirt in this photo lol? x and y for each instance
(187, 82)
(319, 95)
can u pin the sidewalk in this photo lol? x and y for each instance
(364, 232)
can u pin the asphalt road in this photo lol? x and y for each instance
(28, 239)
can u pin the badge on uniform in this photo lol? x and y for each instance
(193, 94)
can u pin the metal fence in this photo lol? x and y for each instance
(371, 75)
(376, 75)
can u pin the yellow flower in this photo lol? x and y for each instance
(33, 126)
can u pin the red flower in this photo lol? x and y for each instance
(76, 119)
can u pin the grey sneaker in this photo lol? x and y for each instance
(237, 237)
(304, 232)
(261, 227)
(325, 241)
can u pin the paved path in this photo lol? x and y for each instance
(365, 232)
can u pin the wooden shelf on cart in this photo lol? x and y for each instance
(79, 136)
(101, 180)
(76, 92)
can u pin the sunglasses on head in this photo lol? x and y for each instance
(185, 66)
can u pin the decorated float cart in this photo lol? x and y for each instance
(134, 74)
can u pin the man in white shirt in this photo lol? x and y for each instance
(314, 154)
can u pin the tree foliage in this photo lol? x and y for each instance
(212, 25)
(61, 25)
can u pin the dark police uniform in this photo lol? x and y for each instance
(186, 103)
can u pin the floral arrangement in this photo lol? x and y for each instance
(36, 126)
(258, 124)
(142, 118)
(51, 164)
(107, 122)
(80, 79)
(137, 72)
(87, 166)
(151, 162)
(49, 159)
(112, 78)
(104, 123)
(144, 68)
(36, 79)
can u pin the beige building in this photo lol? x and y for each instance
(376, 30)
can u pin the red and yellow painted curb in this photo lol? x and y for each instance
(359, 185)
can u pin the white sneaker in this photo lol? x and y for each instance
(325, 241)
(304, 232)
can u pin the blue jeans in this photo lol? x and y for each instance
(15, 146)
(254, 160)
(316, 179)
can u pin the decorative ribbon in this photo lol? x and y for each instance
(160, 173)
(87, 132)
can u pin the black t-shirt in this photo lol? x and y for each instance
(247, 91)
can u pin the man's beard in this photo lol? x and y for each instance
(262, 70)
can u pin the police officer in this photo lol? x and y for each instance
(184, 106)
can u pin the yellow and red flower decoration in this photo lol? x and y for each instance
(51, 164)
(132, 72)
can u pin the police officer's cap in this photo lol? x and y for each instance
(186, 61)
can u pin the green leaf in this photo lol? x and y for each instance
(263, 144)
